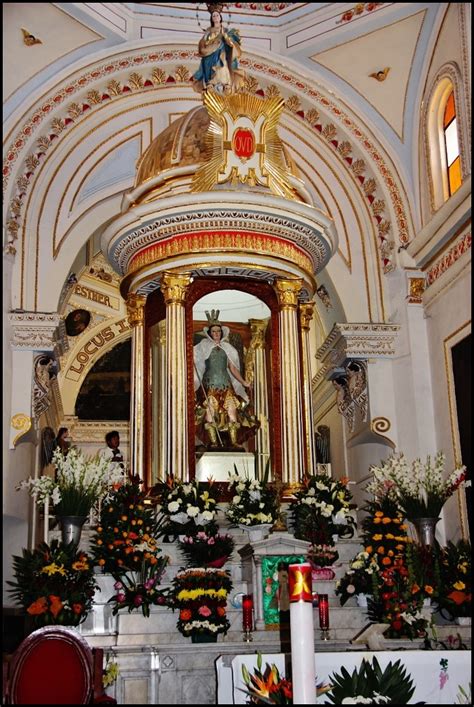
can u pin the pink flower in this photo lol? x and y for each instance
(211, 541)
(120, 598)
(118, 585)
(137, 600)
(149, 583)
(204, 611)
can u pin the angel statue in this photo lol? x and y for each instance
(220, 51)
(222, 402)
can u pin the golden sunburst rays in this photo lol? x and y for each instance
(264, 113)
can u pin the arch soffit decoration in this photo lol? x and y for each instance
(42, 133)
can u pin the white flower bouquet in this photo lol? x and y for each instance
(80, 482)
(253, 503)
(188, 506)
(419, 489)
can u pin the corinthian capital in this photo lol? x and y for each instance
(174, 287)
(135, 306)
(288, 292)
(306, 314)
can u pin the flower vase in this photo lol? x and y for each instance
(71, 528)
(425, 529)
(362, 600)
(203, 637)
(463, 620)
(257, 532)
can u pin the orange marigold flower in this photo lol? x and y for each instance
(40, 606)
(77, 608)
(80, 565)
(99, 529)
(153, 560)
(429, 589)
(185, 614)
(101, 562)
(56, 604)
(124, 517)
(386, 520)
(369, 549)
(386, 561)
(120, 562)
(221, 610)
(396, 520)
(398, 547)
(403, 526)
(415, 588)
(391, 553)
(139, 521)
(377, 520)
(381, 550)
(378, 514)
(134, 522)
(344, 480)
(116, 530)
(111, 509)
(99, 542)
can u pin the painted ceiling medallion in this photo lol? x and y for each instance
(244, 144)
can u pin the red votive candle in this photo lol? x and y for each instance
(323, 612)
(247, 612)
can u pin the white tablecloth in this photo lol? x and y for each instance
(433, 684)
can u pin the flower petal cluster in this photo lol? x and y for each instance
(188, 507)
(80, 482)
(455, 596)
(125, 544)
(322, 509)
(254, 502)
(200, 595)
(420, 489)
(207, 549)
(54, 583)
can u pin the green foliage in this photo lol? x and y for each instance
(370, 681)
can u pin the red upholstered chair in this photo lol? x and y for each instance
(55, 666)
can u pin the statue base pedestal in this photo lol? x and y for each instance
(218, 465)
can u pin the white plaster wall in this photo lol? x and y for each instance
(448, 319)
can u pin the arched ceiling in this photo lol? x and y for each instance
(79, 115)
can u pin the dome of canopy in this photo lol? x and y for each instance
(182, 143)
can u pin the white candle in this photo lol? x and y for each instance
(302, 634)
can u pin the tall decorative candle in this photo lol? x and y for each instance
(247, 612)
(302, 634)
(323, 612)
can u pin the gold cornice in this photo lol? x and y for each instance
(258, 328)
(140, 277)
(287, 292)
(222, 243)
(175, 286)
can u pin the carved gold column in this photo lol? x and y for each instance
(174, 287)
(257, 372)
(306, 315)
(291, 419)
(135, 310)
